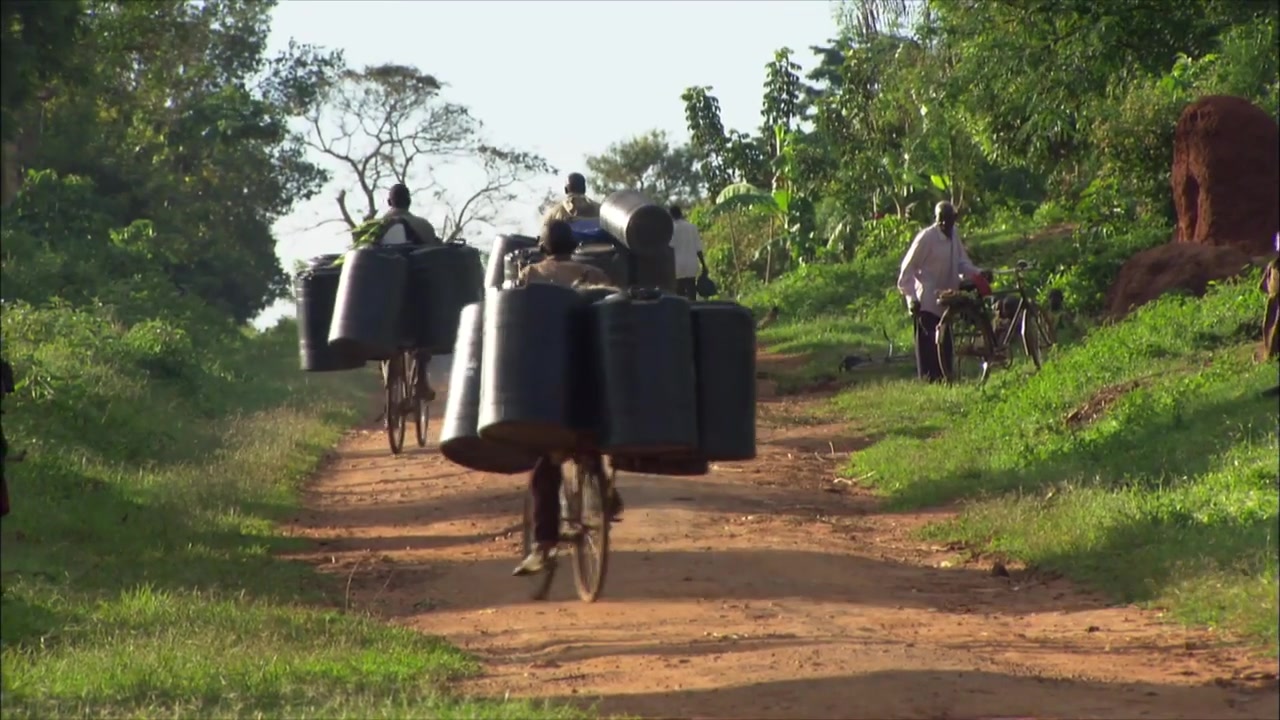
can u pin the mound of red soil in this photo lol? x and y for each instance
(1226, 174)
(1173, 266)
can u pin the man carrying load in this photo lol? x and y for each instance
(557, 243)
(401, 227)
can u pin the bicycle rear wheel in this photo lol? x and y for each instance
(973, 346)
(395, 386)
(585, 493)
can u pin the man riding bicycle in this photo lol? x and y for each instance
(401, 227)
(557, 243)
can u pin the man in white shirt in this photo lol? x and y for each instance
(936, 261)
(686, 243)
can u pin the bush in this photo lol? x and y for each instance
(1085, 268)
(159, 348)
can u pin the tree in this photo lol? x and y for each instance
(722, 158)
(176, 114)
(650, 164)
(388, 124)
(37, 39)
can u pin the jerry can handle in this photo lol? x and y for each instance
(642, 294)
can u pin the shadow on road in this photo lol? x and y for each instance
(941, 694)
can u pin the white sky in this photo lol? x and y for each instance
(563, 79)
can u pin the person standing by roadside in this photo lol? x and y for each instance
(686, 242)
(1271, 313)
(6, 387)
(936, 261)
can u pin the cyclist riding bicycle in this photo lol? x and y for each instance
(401, 227)
(557, 244)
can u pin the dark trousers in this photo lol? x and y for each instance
(927, 365)
(687, 288)
(4, 484)
(544, 485)
(423, 360)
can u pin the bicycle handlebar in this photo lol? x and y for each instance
(1018, 267)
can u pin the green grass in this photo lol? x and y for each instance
(140, 564)
(824, 341)
(1168, 496)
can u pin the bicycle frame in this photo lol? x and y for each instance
(1025, 303)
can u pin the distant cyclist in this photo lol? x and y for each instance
(575, 205)
(401, 227)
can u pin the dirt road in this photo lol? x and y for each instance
(761, 591)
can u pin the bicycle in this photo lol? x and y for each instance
(402, 398)
(966, 325)
(584, 527)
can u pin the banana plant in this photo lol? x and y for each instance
(776, 205)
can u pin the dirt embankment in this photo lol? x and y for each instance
(1172, 267)
(1226, 174)
(765, 590)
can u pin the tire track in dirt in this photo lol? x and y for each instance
(762, 591)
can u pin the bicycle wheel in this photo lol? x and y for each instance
(1029, 328)
(589, 523)
(1048, 331)
(540, 583)
(394, 385)
(972, 342)
(421, 408)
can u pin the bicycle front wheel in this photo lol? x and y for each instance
(1048, 329)
(421, 408)
(972, 345)
(1032, 335)
(394, 391)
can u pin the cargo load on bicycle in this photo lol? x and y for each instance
(659, 384)
(377, 300)
(398, 304)
(555, 366)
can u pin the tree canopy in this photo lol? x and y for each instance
(388, 124)
(156, 145)
(649, 163)
(997, 106)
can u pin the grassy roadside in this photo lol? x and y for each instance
(140, 575)
(1140, 461)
